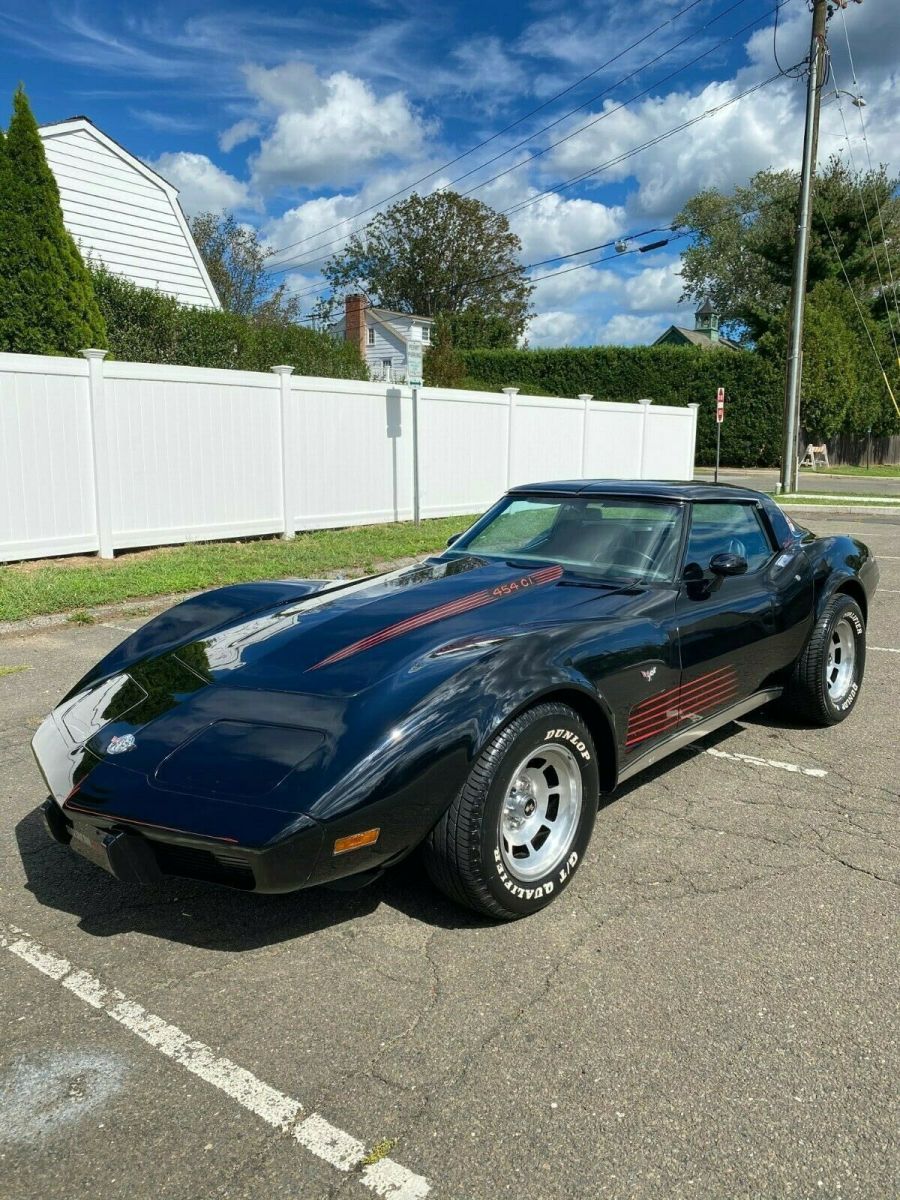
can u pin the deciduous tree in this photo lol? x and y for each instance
(442, 254)
(742, 255)
(236, 261)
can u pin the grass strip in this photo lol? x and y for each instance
(864, 472)
(837, 501)
(35, 588)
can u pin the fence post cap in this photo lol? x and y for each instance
(645, 400)
(94, 354)
(694, 404)
(284, 369)
(585, 395)
(510, 391)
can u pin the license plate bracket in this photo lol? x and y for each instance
(90, 844)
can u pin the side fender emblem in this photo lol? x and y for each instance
(648, 675)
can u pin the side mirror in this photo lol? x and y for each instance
(728, 564)
(454, 537)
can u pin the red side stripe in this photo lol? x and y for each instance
(696, 694)
(652, 701)
(682, 717)
(683, 714)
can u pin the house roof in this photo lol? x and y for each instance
(392, 312)
(698, 337)
(88, 187)
(78, 122)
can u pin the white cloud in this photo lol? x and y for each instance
(626, 329)
(328, 131)
(555, 290)
(653, 289)
(238, 133)
(555, 225)
(202, 186)
(555, 328)
(165, 122)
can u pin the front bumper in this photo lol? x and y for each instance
(136, 853)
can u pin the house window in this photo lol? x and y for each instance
(370, 337)
(387, 363)
(426, 334)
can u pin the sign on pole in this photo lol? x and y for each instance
(720, 417)
(414, 357)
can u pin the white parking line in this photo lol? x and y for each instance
(884, 649)
(753, 761)
(385, 1177)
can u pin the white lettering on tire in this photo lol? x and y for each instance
(573, 739)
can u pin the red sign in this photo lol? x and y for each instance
(720, 406)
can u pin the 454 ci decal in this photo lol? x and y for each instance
(452, 609)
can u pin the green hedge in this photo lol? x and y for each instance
(751, 435)
(146, 326)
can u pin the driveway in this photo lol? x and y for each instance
(710, 1011)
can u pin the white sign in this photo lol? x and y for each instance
(720, 405)
(414, 357)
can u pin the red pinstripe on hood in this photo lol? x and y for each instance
(453, 608)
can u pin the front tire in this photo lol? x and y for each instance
(517, 832)
(827, 678)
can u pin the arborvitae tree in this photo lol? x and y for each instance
(47, 303)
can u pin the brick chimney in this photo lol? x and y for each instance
(355, 321)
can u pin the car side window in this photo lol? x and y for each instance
(718, 527)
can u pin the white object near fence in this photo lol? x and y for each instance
(100, 456)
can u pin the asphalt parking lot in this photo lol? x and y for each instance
(710, 1011)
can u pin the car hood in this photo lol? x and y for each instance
(342, 642)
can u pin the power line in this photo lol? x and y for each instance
(862, 124)
(657, 245)
(862, 315)
(596, 170)
(610, 112)
(300, 263)
(661, 137)
(555, 258)
(865, 211)
(500, 132)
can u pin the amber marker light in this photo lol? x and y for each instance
(356, 841)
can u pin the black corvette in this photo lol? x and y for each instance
(277, 735)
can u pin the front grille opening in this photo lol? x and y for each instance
(191, 863)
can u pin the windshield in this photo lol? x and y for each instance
(613, 537)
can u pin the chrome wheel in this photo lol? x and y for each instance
(840, 669)
(540, 813)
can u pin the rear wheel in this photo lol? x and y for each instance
(516, 833)
(827, 677)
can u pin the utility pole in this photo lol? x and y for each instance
(801, 250)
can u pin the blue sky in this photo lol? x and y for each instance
(297, 118)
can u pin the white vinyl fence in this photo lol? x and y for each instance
(100, 456)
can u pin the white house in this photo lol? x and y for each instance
(381, 336)
(123, 215)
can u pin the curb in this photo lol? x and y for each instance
(157, 604)
(121, 609)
